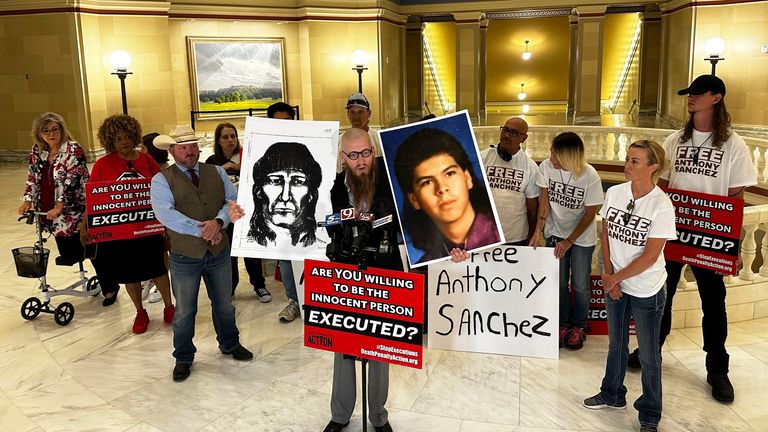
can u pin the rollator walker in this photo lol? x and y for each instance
(32, 262)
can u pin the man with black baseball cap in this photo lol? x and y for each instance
(706, 156)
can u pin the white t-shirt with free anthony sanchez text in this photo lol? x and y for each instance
(698, 166)
(569, 198)
(630, 227)
(511, 183)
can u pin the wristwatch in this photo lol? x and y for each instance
(221, 222)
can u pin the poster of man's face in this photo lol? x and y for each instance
(286, 175)
(440, 188)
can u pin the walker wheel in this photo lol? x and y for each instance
(30, 309)
(64, 313)
(93, 285)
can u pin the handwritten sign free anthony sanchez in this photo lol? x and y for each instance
(501, 301)
(374, 314)
(120, 210)
(708, 230)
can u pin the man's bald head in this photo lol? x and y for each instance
(513, 134)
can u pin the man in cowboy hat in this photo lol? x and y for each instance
(190, 199)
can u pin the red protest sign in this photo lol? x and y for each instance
(708, 230)
(120, 210)
(373, 314)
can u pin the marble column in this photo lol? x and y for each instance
(650, 65)
(589, 53)
(573, 21)
(414, 61)
(468, 64)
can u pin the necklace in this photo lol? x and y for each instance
(696, 151)
(562, 180)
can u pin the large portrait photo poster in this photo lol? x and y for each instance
(286, 174)
(440, 188)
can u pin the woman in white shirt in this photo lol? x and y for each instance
(638, 219)
(571, 193)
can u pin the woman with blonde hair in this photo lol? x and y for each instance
(571, 193)
(638, 219)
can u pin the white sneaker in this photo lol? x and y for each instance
(155, 296)
(145, 287)
(290, 312)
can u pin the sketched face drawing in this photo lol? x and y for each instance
(285, 191)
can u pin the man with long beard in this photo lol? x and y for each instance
(363, 184)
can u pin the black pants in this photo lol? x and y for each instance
(252, 266)
(714, 323)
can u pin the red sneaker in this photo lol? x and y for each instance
(168, 314)
(141, 322)
(564, 331)
(576, 339)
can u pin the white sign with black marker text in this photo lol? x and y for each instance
(501, 301)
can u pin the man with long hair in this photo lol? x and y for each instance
(706, 156)
(363, 185)
(285, 183)
(446, 206)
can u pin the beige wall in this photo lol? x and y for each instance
(442, 42)
(545, 75)
(40, 71)
(150, 91)
(414, 69)
(650, 61)
(588, 69)
(618, 34)
(745, 69)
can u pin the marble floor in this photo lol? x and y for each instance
(94, 375)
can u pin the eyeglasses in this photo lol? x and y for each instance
(630, 209)
(51, 131)
(356, 154)
(510, 132)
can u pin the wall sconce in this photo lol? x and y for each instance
(714, 47)
(120, 61)
(526, 54)
(359, 59)
(522, 95)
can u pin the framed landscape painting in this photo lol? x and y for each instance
(235, 73)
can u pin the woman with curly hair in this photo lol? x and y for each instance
(135, 260)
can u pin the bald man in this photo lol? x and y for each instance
(512, 179)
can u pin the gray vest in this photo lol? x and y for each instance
(200, 204)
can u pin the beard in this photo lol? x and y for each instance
(362, 187)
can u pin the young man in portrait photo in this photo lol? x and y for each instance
(446, 206)
(285, 191)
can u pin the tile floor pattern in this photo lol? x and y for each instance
(94, 375)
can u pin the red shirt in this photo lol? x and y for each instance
(113, 167)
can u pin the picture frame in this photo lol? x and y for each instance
(235, 74)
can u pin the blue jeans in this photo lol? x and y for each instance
(647, 313)
(575, 267)
(286, 273)
(186, 272)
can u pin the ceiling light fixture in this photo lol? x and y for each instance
(526, 54)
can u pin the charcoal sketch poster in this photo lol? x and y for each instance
(286, 175)
(440, 188)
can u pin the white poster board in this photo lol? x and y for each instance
(502, 301)
(286, 176)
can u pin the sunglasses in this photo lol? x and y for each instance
(356, 154)
(630, 209)
(510, 132)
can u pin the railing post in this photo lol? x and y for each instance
(748, 252)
